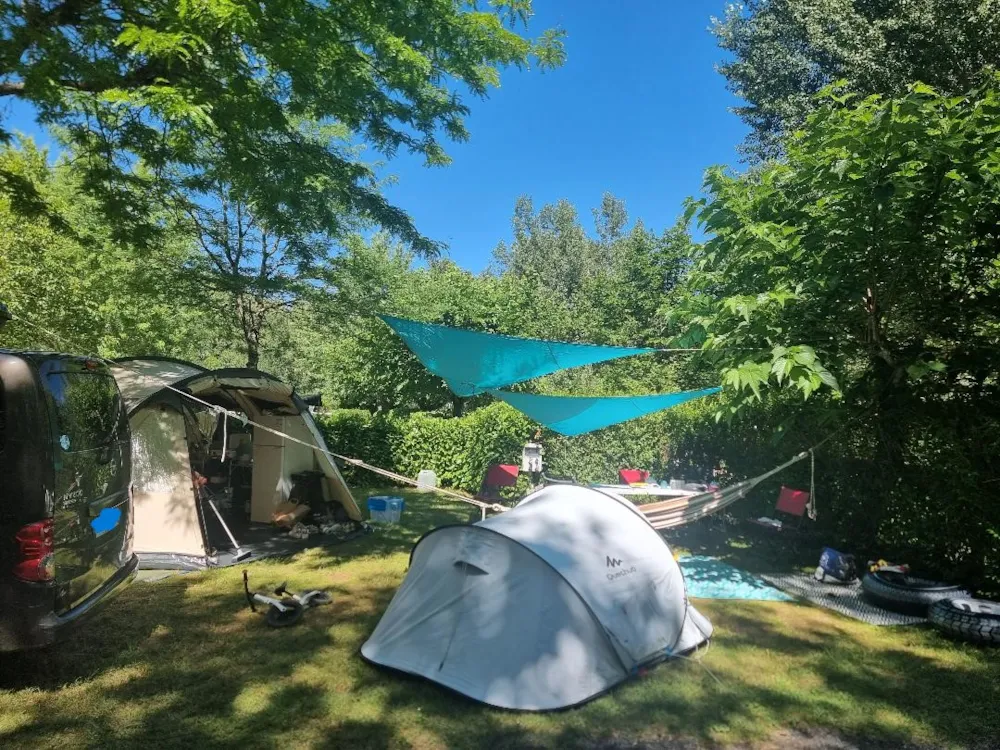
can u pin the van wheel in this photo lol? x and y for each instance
(278, 619)
(975, 620)
(905, 594)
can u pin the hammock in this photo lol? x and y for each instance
(669, 514)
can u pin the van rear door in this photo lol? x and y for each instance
(91, 444)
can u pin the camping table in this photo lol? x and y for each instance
(652, 490)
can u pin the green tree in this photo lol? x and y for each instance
(62, 271)
(785, 51)
(871, 253)
(163, 84)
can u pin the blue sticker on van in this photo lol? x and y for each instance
(106, 520)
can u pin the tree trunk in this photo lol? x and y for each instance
(253, 355)
(457, 406)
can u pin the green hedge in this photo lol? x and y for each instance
(459, 450)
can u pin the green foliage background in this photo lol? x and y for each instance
(848, 291)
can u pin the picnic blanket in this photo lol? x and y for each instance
(846, 599)
(710, 578)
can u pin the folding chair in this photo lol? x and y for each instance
(791, 502)
(497, 476)
(633, 476)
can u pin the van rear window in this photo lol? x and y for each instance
(88, 408)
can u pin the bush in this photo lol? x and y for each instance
(459, 450)
(357, 433)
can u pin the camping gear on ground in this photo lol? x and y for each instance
(877, 565)
(175, 433)
(385, 509)
(288, 608)
(426, 480)
(709, 578)
(288, 513)
(632, 476)
(846, 598)
(308, 488)
(543, 607)
(907, 594)
(975, 620)
(497, 476)
(836, 566)
(575, 415)
(238, 552)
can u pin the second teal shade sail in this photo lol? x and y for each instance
(575, 415)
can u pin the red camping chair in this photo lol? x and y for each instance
(791, 502)
(497, 476)
(633, 476)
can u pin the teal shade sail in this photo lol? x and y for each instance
(575, 415)
(473, 362)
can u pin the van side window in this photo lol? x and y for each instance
(88, 408)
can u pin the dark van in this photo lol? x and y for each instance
(65, 501)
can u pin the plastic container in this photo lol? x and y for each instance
(426, 480)
(385, 509)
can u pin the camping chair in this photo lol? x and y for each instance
(633, 476)
(791, 502)
(497, 476)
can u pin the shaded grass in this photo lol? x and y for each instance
(183, 663)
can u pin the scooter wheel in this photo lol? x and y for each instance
(316, 598)
(278, 619)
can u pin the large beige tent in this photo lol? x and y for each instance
(249, 471)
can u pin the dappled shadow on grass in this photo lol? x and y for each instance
(744, 545)
(183, 663)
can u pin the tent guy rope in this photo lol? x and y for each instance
(243, 419)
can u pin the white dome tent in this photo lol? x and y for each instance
(542, 607)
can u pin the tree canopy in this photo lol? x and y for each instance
(783, 52)
(166, 83)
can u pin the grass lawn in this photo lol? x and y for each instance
(183, 663)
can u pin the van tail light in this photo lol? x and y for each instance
(35, 552)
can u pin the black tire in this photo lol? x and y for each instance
(278, 619)
(974, 620)
(905, 594)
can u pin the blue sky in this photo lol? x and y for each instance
(637, 110)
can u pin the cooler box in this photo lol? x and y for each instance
(385, 509)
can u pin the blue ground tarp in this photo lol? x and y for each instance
(709, 578)
(574, 415)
